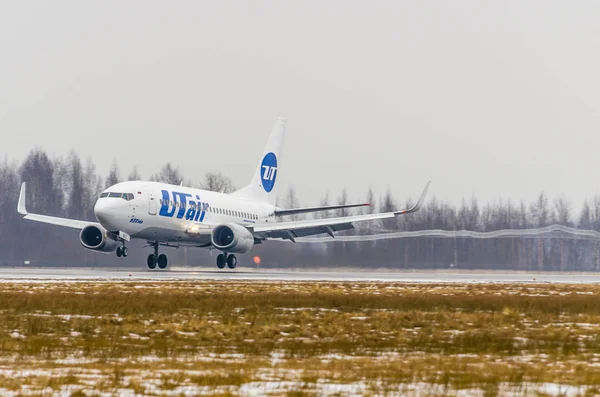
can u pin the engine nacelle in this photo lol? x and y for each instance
(94, 238)
(232, 237)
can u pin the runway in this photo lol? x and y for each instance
(53, 274)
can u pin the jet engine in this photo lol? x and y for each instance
(232, 237)
(95, 238)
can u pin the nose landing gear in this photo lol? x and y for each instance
(229, 260)
(122, 251)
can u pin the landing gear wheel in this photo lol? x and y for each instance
(220, 261)
(162, 261)
(123, 252)
(231, 261)
(151, 262)
(119, 252)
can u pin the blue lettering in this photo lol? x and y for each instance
(191, 212)
(182, 202)
(164, 208)
(204, 209)
(199, 212)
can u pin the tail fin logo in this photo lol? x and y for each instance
(268, 171)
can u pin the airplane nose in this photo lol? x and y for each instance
(104, 212)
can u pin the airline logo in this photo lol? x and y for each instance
(268, 171)
(182, 205)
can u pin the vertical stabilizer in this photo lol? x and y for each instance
(263, 187)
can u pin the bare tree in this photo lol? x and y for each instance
(291, 201)
(113, 175)
(371, 201)
(342, 199)
(541, 215)
(134, 175)
(217, 182)
(38, 172)
(91, 189)
(168, 174)
(323, 202)
(562, 211)
(76, 199)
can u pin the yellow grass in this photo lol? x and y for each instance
(295, 338)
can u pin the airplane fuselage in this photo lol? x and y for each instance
(157, 211)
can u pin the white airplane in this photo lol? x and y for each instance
(174, 216)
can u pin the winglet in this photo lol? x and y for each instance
(419, 203)
(21, 204)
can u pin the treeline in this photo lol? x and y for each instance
(68, 187)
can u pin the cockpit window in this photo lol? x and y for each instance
(124, 196)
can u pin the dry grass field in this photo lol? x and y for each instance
(298, 338)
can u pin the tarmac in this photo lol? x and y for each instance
(66, 274)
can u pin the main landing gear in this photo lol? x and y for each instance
(224, 259)
(156, 259)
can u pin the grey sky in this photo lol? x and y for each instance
(492, 99)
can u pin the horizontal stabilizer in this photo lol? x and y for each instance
(295, 211)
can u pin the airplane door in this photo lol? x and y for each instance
(151, 204)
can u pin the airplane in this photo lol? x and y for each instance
(174, 216)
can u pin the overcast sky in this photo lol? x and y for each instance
(492, 99)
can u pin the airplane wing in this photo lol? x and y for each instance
(72, 223)
(291, 230)
(293, 211)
